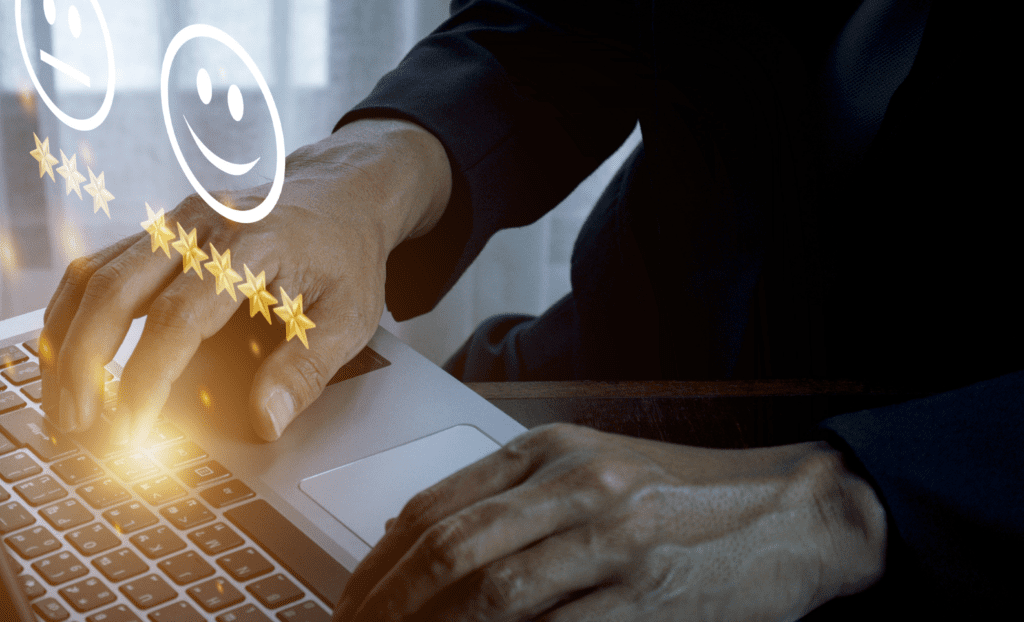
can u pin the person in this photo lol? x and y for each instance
(782, 206)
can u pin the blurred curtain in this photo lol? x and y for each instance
(319, 58)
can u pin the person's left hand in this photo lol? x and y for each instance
(567, 523)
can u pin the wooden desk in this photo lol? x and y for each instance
(741, 413)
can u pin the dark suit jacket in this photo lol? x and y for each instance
(742, 239)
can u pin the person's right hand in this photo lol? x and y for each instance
(347, 201)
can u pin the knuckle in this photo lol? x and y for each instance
(442, 547)
(105, 281)
(499, 589)
(81, 269)
(312, 372)
(171, 315)
(419, 506)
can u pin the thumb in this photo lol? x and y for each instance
(294, 376)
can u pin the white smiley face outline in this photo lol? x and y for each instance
(210, 32)
(82, 125)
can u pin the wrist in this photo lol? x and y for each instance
(393, 172)
(855, 524)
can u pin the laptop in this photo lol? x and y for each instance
(206, 521)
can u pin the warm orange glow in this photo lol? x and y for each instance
(254, 348)
(45, 351)
(204, 397)
(27, 99)
(8, 257)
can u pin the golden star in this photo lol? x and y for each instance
(69, 171)
(220, 268)
(191, 255)
(295, 322)
(159, 232)
(46, 160)
(99, 193)
(255, 288)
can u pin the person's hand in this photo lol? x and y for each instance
(569, 524)
(346, 202)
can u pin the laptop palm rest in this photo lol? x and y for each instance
(363, 494)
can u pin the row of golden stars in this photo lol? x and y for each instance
(255, 287)
(96, 187)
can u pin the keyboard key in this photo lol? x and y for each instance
(149, 591)
(245, 613)
(180, 611)
(103, 493)
(245, 564)
(291, 548)
(6, 445)
(34, 542)
(11, 356)
(120, 565)
(34, 391)
(215, 539)
(77, 469)
(9, 400)
(227, 493)
(60, 568)
(186, 568)
(187, 514)
(120, 613)
(304, 612)
(4, 495)
(18, 466)
(20, 374)
(274, 591)
(157, 542)
(92, 539)
(163, 432)
(50, 610)
(40, 490)
(215, 594)
(32, 345)
(66, 514)
(159, 490)
(203, 473)
(131, 516)
(131, 467)
(14, 516)
(32, 589)
(179, 454)
(28, 428)
(87, 595)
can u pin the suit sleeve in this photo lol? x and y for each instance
(528, 97)
(949, 471)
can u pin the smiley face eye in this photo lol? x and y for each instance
(235, 104)
(204, 86)
(74, 21)
(50, 11)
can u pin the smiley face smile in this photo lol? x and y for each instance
(236, 106)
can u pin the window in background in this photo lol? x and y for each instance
(319, 59)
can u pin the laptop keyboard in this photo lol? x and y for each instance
(164, 534)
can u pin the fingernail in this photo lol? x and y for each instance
(66, 417)
(281, 410)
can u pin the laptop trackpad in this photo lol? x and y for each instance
(365, 493)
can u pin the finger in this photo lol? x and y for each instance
(524, 585)
(470, 540)
(294, 375)
(185, 313)
(485, 478)
(61, 310)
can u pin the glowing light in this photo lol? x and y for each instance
(88, 156)
(8, 257)
(220, 586)
(254, 348)
(204, 397)
(72, 240)
(27, 99)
